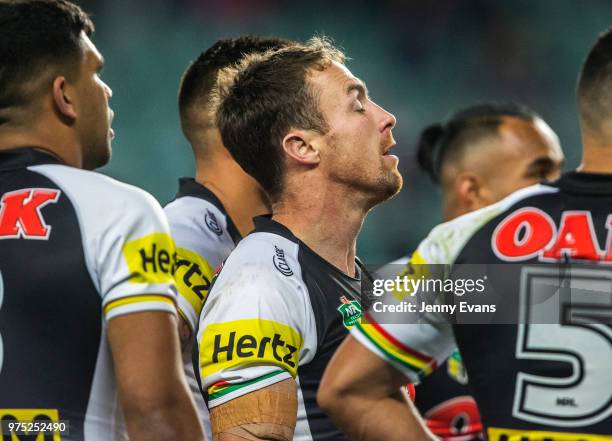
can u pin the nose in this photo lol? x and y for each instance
(108, 90)
(387, 120)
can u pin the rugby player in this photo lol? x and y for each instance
(88, 333)
(457, 155)
(303, 126)
(535, 379)
(212, 211)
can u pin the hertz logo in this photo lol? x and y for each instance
(150, 259)
(193, 275)
(224, 346)
(248, 346)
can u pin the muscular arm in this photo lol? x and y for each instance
(360, 393)
(269, 413)
(152, 388)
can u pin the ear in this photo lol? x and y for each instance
(62, 98)
(471, 191)
(298, 147)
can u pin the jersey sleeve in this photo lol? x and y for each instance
(126, 241)
(422, 342)
(135, 260)
(416, 350)
(201, 247)
(193, 278)
(199, 251)
(255, 328)
(418, 345)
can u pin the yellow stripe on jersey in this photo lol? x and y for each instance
(193, 276)
(240, 343)
(150, 259)
(137, 299)
(419, 363)
(500, 434)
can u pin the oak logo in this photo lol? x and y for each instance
(280, 262)
(531, 233)
(248, 346)
(20, 213)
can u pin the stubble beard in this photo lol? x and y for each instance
(389, 184)
(379, 189)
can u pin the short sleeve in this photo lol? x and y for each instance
(254, 329)
(422, 341)
(199, 251)
(416, 350)
(126, 241)
(135, 261)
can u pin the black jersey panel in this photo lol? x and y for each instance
(544, 376)
(50, 316)
(328, 289)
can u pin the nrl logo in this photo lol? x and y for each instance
(350, 310)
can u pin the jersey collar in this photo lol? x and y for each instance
(190, 187)
(265, 224)
(23, 157)
(585, 183)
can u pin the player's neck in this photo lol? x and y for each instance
(596, 157)
(326, 219)
(50, 141)
(240, 195)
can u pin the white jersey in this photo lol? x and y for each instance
(204, 236)
(276, 311)
(76, 250)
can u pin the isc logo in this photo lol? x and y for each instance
(20, 213)
(248, 346)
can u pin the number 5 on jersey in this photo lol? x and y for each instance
(580, 335)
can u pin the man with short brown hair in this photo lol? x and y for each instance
(303, 126)
(537, 343)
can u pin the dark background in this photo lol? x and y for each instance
(421, 60)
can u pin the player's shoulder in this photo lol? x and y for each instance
(198, 218)
(261, 278)
(93, 189)
(266, 257)
(446, 240)
(188, 214)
